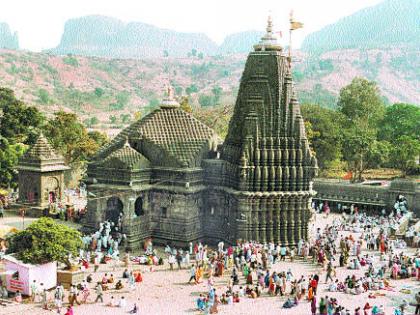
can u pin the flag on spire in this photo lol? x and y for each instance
(294, 25)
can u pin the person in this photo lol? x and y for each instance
(123, 302)
(417, 303)
(58, 298)
(139, 277)
(44, 299)
(18, 297)
(126, 274)
(34, 291)
(112, 302)
(313, 305)
(119, 285)
(1, 209)
(99, 293)
(134, 310)
(73, 295)
(69, 310)
(192, 274)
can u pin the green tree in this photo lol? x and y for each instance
(18, 122)
(68, 135)
(358, 141)
(400, 120)
(9, 156)
(191, 89)
(45, 241)
(125, 118)
(185, 104)
(362, 109)
(206, 100)
(99, 138)
(112, 119)
(165, 53)
(361, 101)
(326, 136)
(193, 52)
(99, 92)
(123, 98)
(43, 96)
(405, 154)
(217, 92)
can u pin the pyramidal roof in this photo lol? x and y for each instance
(126, 157)
(41, 157)
(176, 133)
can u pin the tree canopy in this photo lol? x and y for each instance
(68, 135)
(45, 241)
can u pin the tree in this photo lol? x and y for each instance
(112, 119)
(185, 104)
(99, 92)
(9, 156)
(45, 241)
(362, 109)
(125, 118)
(100, 138)
(405, 153)
(193, 52)
(68, 135)
(326, 136)
(361, 101)
(358, 141)
(400, 120)
(206, 100)
(122, 99)
(43, 96)
(19, 122)
(217, 92)
(165, 53)
(191, 89)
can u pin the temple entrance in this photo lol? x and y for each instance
(52, 197)
(114, 209)
(138, 207)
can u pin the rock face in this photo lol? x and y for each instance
(389, 23)
(8, 40)
(239, 42)
(108, 37)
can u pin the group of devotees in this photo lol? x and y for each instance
(251, 270)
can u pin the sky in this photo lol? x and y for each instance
(40, 23)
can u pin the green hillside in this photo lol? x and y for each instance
(390, 23)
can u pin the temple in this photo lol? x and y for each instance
(41, 177)
(170, 177)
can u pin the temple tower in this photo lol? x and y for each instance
(41, 175)
(268, 162)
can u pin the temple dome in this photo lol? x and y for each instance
(168, 136)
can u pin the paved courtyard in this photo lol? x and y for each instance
(166, 292)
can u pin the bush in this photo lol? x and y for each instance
(45, 241)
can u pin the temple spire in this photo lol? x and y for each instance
(169, 101)
(268, 42)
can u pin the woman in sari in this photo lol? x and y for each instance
(199, 274)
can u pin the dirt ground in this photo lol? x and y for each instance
(167, 292)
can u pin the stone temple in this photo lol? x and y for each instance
(171, 178)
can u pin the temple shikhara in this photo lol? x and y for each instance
(170, 177)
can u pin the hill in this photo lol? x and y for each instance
(240, 42)
(104, 87)
(390, 23)
(103, 36)
(8, 39)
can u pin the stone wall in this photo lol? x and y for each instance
(371, 198)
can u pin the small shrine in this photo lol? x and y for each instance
(41, 176)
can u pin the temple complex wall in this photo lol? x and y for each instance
(371, 198)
